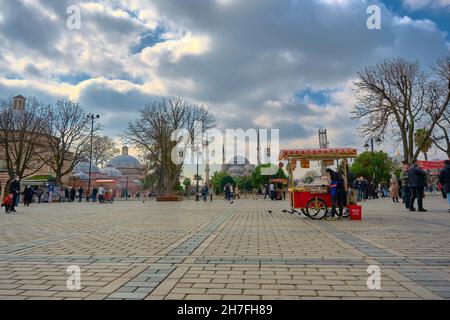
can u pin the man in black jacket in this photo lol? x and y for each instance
(417, 182)
(14, 188)
(444, 179)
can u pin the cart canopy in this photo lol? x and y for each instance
(282, 181)
(318, 154)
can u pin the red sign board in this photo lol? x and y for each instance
(431, 165)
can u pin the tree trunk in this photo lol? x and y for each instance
(58, 179)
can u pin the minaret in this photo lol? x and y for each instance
(323, 144)
(258, 149)
(223, 158)
(207, 169)
(19, 103)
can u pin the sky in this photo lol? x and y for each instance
(286, 64)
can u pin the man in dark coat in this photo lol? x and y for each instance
(73, 193)
(28, 194)
(66, 194)
(15, 190)
(444, 179)
(337, 193)
(417, 182)
(80, 194)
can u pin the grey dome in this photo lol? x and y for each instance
(236, 171)
(84, 167)
(81, 176)
(112, 172)
(125, 161)
(239, 160)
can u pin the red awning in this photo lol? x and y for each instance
(431, 165)
(320, 154)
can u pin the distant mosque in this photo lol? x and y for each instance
(240, 166)
(122, 172)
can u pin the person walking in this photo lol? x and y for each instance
(39, 194)
(394, 189)
(337, 193)
(15, 191)
(205, 193)
(101, 194)
(266, 191)
(80, 194)
(417, 182)
(237, 193)
(227, 192)
(28, 196)
(72, 194)
(272, 191)
(444, 179)
(406, 190)
(8, 202)
(66, 194)
(94, 195)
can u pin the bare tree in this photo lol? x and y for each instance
(396, 97)
(67, 137)
(441, 136)
(103, 149)
(152, 133)
(23, 137)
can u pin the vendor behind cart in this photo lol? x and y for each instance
(338, 194)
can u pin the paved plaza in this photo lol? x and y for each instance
(191, 250)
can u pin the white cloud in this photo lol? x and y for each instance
(418, 4)
(245, 59)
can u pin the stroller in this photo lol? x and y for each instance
(8, 203)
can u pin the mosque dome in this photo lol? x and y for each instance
(81, 176)
(125, 161)
(112, 172)
(84, 167)
(239, 160)
(236, 171)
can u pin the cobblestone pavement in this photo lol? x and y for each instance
(216, 250)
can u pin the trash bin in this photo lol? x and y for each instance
(355, 212)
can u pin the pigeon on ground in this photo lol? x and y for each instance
(270, 211)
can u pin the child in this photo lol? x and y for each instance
(7, 203)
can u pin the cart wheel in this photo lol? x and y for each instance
(305, 212)
(316, 209)
(346, 213)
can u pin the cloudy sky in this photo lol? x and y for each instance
(285, 64)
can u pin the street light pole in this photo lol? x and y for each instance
(92, 118)
(373, 154)
(373, 158)
(126, 191)
(197, 198)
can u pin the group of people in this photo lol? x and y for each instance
(98, 194)
(414, 181)
(12, 198)
(410, 187)
(231, 192)
(370, 190)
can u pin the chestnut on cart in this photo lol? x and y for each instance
(314, 199)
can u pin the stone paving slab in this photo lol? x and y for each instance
(220, 251)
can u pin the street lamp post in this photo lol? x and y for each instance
(373, 154)
(92, 117)
(126, 191)
(197, 197)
